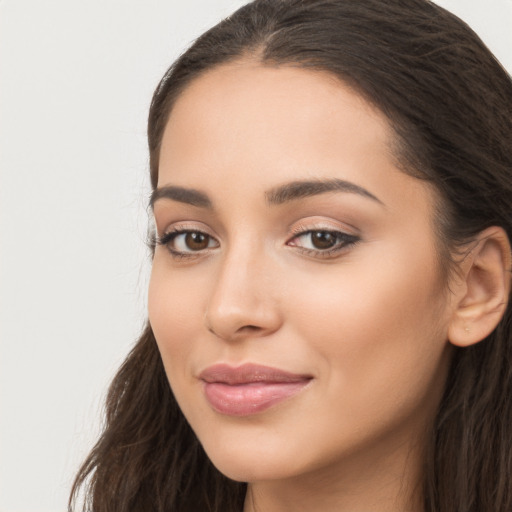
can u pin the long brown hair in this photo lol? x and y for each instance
(450, 104)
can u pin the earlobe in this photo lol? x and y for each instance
(482, 291)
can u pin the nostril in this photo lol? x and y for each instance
(244, 328)
(236, 320)
(249, 329)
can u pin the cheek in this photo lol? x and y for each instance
(379, 329)
(174, 315)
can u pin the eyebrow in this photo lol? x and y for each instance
(182, 195)
(300, 189)
(275, 196)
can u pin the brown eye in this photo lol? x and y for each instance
(186, 242)
(323, 239)
(196, 241)
(323, 243)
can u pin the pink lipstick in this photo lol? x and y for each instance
(250, 388)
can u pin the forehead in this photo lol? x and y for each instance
(258, 126)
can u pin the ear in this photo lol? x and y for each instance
(481, 292)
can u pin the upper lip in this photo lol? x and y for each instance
(248, 373)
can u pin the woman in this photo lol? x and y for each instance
(331, 272)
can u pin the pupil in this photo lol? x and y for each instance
(323, 240)
(196, 241)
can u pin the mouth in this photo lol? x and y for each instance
(249, 389)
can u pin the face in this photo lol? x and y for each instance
(296, 295)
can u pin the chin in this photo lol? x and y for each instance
(251, 471)
(253, 465)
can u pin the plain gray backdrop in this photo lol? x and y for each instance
(76, 79)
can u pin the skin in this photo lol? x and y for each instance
(368, 323)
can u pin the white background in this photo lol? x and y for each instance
(76, 79)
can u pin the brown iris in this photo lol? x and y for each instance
(323, 239)
(196, 241)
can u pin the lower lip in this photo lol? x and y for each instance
(251, 398)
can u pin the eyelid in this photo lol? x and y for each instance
(346, 239)
(317, 224)
(186, 225)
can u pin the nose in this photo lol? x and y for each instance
(244, 301)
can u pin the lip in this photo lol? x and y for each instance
(250, 388)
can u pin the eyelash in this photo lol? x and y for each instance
(167, 238)
(344, 242)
